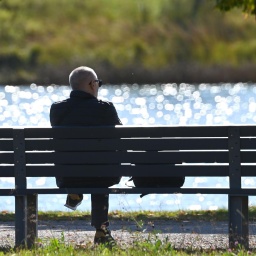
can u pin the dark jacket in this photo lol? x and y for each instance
(83, 109)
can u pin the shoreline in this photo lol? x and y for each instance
(191, 73)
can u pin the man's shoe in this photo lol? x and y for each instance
(73, 200)
(103, 236)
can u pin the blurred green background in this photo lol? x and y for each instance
(125, 41)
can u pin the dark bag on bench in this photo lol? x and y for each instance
(158, 182)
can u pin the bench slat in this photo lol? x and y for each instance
(125, 144)
(139, 144)
(133, 144)
(248, 156)
(6, 133)
(220, 191)
(248, 143)
(39, 144)
(6, 158)
(128, 170)
(6, 171)
(38, 132)
(140, 131)
(127, 157)
(130, 131)
(247, 130)
(248, 170)
(6, 145)
(50, 171)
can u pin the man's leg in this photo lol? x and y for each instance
(73, 200)
(100, 220)
(99, 212)
(100, 202)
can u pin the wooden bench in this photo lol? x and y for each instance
(208, 151)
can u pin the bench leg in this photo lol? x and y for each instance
(238, 221)
(32, 219)
(20, 221)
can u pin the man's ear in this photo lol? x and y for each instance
(91, 85)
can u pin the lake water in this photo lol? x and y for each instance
(159, 104)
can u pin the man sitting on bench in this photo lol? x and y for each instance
(84, 109)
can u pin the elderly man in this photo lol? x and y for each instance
(84, 109)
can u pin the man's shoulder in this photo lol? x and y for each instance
(60, 103)
(106, 107)
(106, 103)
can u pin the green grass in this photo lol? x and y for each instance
(149, 246)
(207, 215)
(146, 248)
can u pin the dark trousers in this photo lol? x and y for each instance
(99, 210)
(99, 202)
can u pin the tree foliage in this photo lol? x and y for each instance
(248, 6)
(41, 44)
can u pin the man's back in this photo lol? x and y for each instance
(83, 109)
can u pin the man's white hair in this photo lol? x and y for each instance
(81, 76)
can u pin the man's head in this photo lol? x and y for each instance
(84, 79)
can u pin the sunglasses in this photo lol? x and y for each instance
(99, 81)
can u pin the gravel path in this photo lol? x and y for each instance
(181, 234)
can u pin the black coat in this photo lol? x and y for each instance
(83, 109)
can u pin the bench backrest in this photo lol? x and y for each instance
(128, 150)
